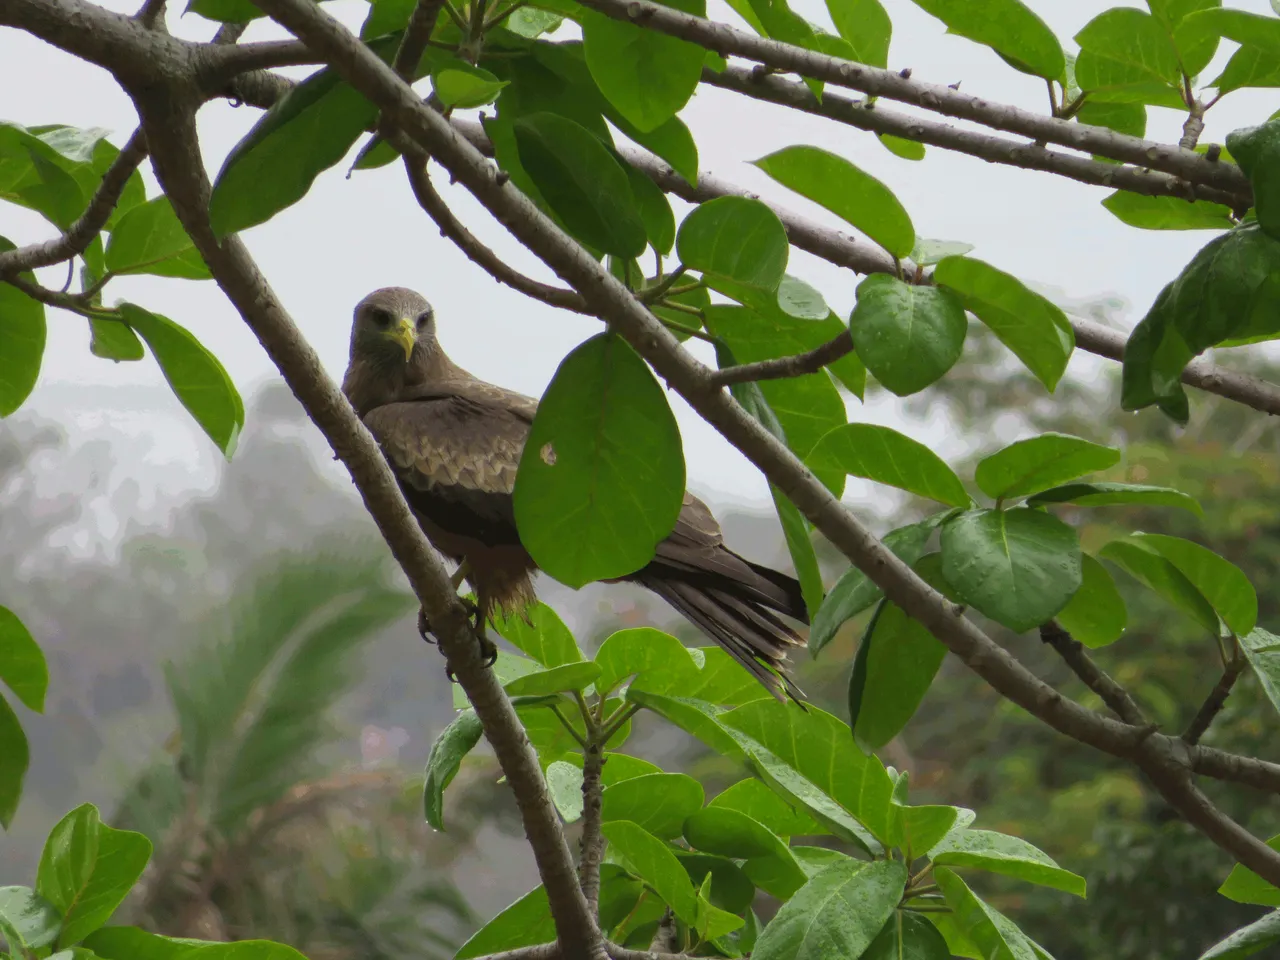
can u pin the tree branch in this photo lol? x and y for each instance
(726, 40)
(80, 234)
(592, 842)
(795, 365)
(871, 116)
(416, 36)
(1233, 768)
(1095, 678)
(543, 951)
(75, 303)
(229, 60)
(171, 132)
(692, 380)
(617, 952)
(1216, 700)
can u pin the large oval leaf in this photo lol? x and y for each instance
(581, 182)
(737, 238)
(887, 456)
(653, 862)
(995, 935)
(836, 914)
(1220, 581)
(866, 26)
(524, 923)
(847, 191)
(149, 239)
(1038, 463)
(908, 936)
(647, 76)
(455, 742)
(1145, 565)
(601, 480)
(660, 662)
(22, 336)
(15, 756)
(1096, 615)
(1104, 494)
(1037, 331)
(1007, 26)
(908, 336)
(1011, 856)
(658, 802)
(22, 665)
(194, 374)
(894, 668)
(1019, 567)
(27, 920)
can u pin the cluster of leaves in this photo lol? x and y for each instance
(669, 848)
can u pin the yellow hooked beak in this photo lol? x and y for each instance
(405, 333)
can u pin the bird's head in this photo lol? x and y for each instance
(392, 326)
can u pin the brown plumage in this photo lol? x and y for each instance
(455, 441)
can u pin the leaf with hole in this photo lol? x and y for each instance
(1019, 567)
(886, 456)
(1038, 463)
(1036, 330)
(847, 191)
(908, 336)
(601, 479)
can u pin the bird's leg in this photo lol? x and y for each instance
(424, 625)
(460, 574)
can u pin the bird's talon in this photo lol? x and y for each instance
(424, 627)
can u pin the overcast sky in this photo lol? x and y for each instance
(349, 236)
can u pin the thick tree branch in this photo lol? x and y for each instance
(416, 36)
(872, 116)
(726, 40)
(617, 306)
(89, 224)
(228, 60)
(617, 952)
(170, 129)
(1095, 678)
(592, 843)
(543, 951)
(1216, 700)
(1221, 765)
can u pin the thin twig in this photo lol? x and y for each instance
(1216, 699)
(151, 14)
(73, 302)
(874, 117)
(591, 845)
(666, 937)
(793, 366)
(89, 224)
(1095, 678)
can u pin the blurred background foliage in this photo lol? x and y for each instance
(242, 681)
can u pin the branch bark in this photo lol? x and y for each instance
(1095, 678)
(617, 306)
(727, 40)
(1216, 700)
(871, 116)
(592, 844)
(796, 365)
(170, 129)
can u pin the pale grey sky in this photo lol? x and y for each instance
(350, 236)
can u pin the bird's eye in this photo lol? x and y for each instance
(424, 319)
(382, 318)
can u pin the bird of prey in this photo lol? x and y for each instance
(454, 443)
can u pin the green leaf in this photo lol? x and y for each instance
(995, 935)
(565, 678)
(455, 742)
(721, 679)
(1018, 567)
(854, 591)
(1249, 67)
(710, 921)
(305, 133)
(541, 634)
(838, 913)
(1096, 615)
(459, 84)
(769, 862)
(761, 804)
(1194, 45)
(924, 826)
(928, 252)
(908, 936)
(1036, 330)
(150, 239)
(564, 783)
(581, 182)
(657, 802)
(737, 238)
(601, 480)
(620, 766)
(1124, 46)
(887, 456)
(1168, 213)
(1257, 151)
(661, 662)
(1102, 494)
(730, 889)
(506, 668)
(114, 340)
(27, 920)
(1039, 463)
(22, 665)
(1248, 940)
(1009, 27)
(130, 943)
(87, 869)
(523, 924)
(818, 747)
(1262, 649)
(696, 717)
(1219, 581)
(653, 861)
(1127, 118)
(227, 11)
(1247, 29)
(1011, 856)
(1144, 564)
(531, 23)
(907, 335)
(894, 668)
(196, 377)
(15, 756)
(798, 299)
(867, 28)
(647, 76)
(1244, 886)
(847, 191)
(22, 337)
(906, 149)
(655, 211)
